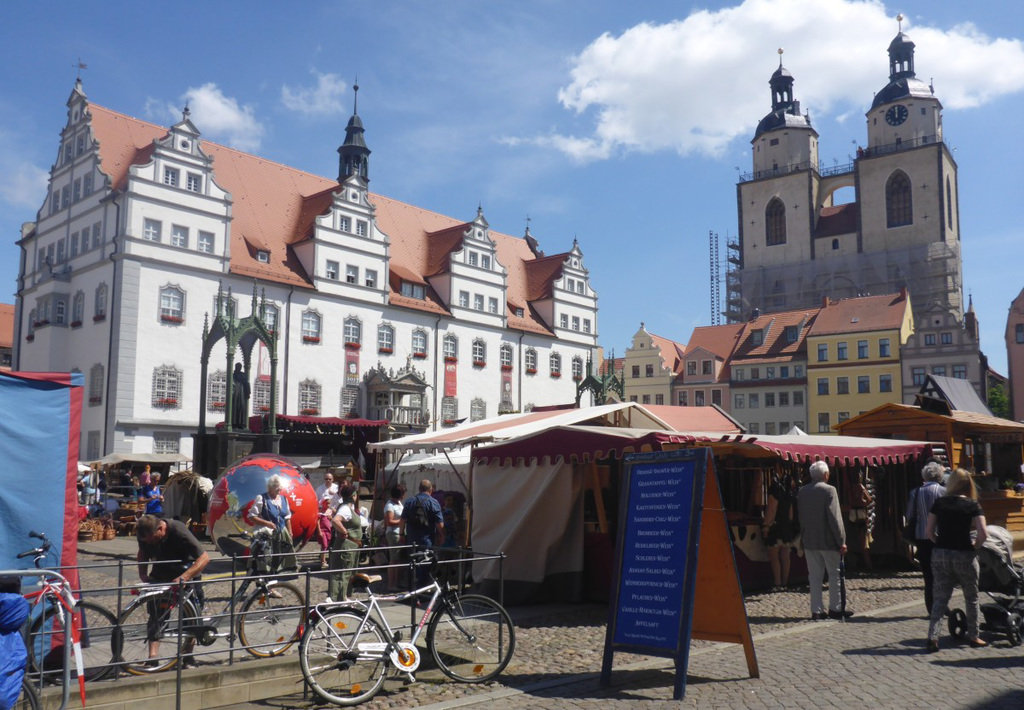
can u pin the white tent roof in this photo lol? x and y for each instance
(142, 458)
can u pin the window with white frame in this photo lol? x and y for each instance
(477, 409)
(586, 325)
(171, 177)
(418, 291)
(563, 320)
(472, 258)
(93, 445)
(353, 331)
(331, 271)
(167, 387)
(311, 323)
(485, 261)
(270, 316)
(65, 195)
(166, 442)
(479, 352)
(385, 338)
(344, 224)
(60, 311)
(101, 302)
(464, 299)
(349, 406)
(96, 385)
(224, 306)
(263, 256)
(78, 309)
(216, 391)
(555, 364)
(74, 245)
(351, 274)
(478, 302)
(451, 347)
(506, 356)
(151, 230)
(580, 287)
(577, 368)
(419, 343)
(684, 398)
(179, 236)
(194, 183)
(96, 241)
(361, 227)
(76, 190)
(576, 323)
(205, 242)
(492, 305)
(172, 304)
(370, 278)
(309, 398)
(261, 396)
(530, 359)
(449, 411)
(80, 144)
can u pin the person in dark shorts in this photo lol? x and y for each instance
(780, 527)
(176, 558)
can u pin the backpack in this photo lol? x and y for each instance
(421, 515)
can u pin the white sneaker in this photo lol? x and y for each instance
(328, 600)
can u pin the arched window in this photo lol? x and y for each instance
(172, 304)
(60, 312)
(577, 368)
(531, 361)
(353, 331)
(309, 398)
(96, 385)
(555, 362)
(261, 396)
(349, 401)
(270, 317)
(311, 327)
(775, 222)
(101, 302)
(77, 309)
(33, 318)
(167, 387)
(479, 352)
(477, 410)
(419, 343)
(385, 339)
(451, 347)
(216, 391)
(899, 206)
(949, 204)
(506, 356)
(449, 411)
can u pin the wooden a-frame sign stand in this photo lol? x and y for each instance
(711, 604)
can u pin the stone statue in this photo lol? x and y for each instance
(239, 398)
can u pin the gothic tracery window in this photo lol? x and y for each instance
(899, 206)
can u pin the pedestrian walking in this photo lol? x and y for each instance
(824, 539)
(919, 504)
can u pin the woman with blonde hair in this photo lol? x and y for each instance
(955, 554)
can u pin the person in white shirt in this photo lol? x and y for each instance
(327, 496)
(392, 531)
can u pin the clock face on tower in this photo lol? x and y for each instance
(896, 115)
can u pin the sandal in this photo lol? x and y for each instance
(977, 643)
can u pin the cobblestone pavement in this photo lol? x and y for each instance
(875, 660)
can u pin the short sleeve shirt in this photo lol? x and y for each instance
(396, 508)
(178, 544)
(955, 518)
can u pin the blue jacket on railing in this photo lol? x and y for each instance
(13, 656)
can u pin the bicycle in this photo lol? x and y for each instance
(269, 620)
(348, 647)
(91, 624)
(29, 698)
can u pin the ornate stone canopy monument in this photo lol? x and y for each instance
(232, 439)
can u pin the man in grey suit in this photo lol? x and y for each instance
(824, 540)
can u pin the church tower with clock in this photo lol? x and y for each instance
(797, 244)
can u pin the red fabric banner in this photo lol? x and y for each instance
(351, 368)
(451, 386)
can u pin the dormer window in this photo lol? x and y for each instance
(263, 256)
(792, 333)
(757, 337)
(413, 290)
(519, 312)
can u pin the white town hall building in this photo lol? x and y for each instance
(381, 309)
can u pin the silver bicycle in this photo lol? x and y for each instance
(348, 648)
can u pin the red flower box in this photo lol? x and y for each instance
(556, 374)
(420, 356)
(76, 324)
(450, 358)
(479, 363)
(352, 346)
(309, 411)
(167, 402)
(30, 337)
(263, 408)
(171, 319)
(577, 378)
(506, 368)
(219, 405)
(98, 317)
(531, 371)
(385, 351)
(95, 400)
(311, 339)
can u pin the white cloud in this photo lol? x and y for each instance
(694, 85)
(322, 100)
(218, 117)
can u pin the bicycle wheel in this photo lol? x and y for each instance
(151, 619)
(332, 663)
(29, 698)
(271, 619)
(46, 642)
(471, 638)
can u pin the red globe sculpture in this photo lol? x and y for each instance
(229, 513)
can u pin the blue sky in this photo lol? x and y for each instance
(620, 124)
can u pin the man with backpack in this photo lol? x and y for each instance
(422, 521)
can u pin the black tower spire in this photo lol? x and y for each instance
(355, 156)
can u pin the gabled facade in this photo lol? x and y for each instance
(650, 366)
(943, 346)
(703, 379)
(853, 357)
(374, 302)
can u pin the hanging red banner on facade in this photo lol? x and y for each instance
(351, 368)
(451, 387)
(506, 390)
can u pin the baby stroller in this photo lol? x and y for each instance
(1003, 583)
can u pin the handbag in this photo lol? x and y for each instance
(909, 529)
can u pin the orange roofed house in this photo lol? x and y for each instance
(381, 309)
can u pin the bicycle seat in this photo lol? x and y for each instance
(361, 579)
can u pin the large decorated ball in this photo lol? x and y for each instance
(230, 511)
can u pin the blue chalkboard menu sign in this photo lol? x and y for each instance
(656, 560)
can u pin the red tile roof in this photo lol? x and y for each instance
(841, 219)
(274, 206)
(6, 325)
(671, 351)
(863, 314)
(774, 327)
(719, 340)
